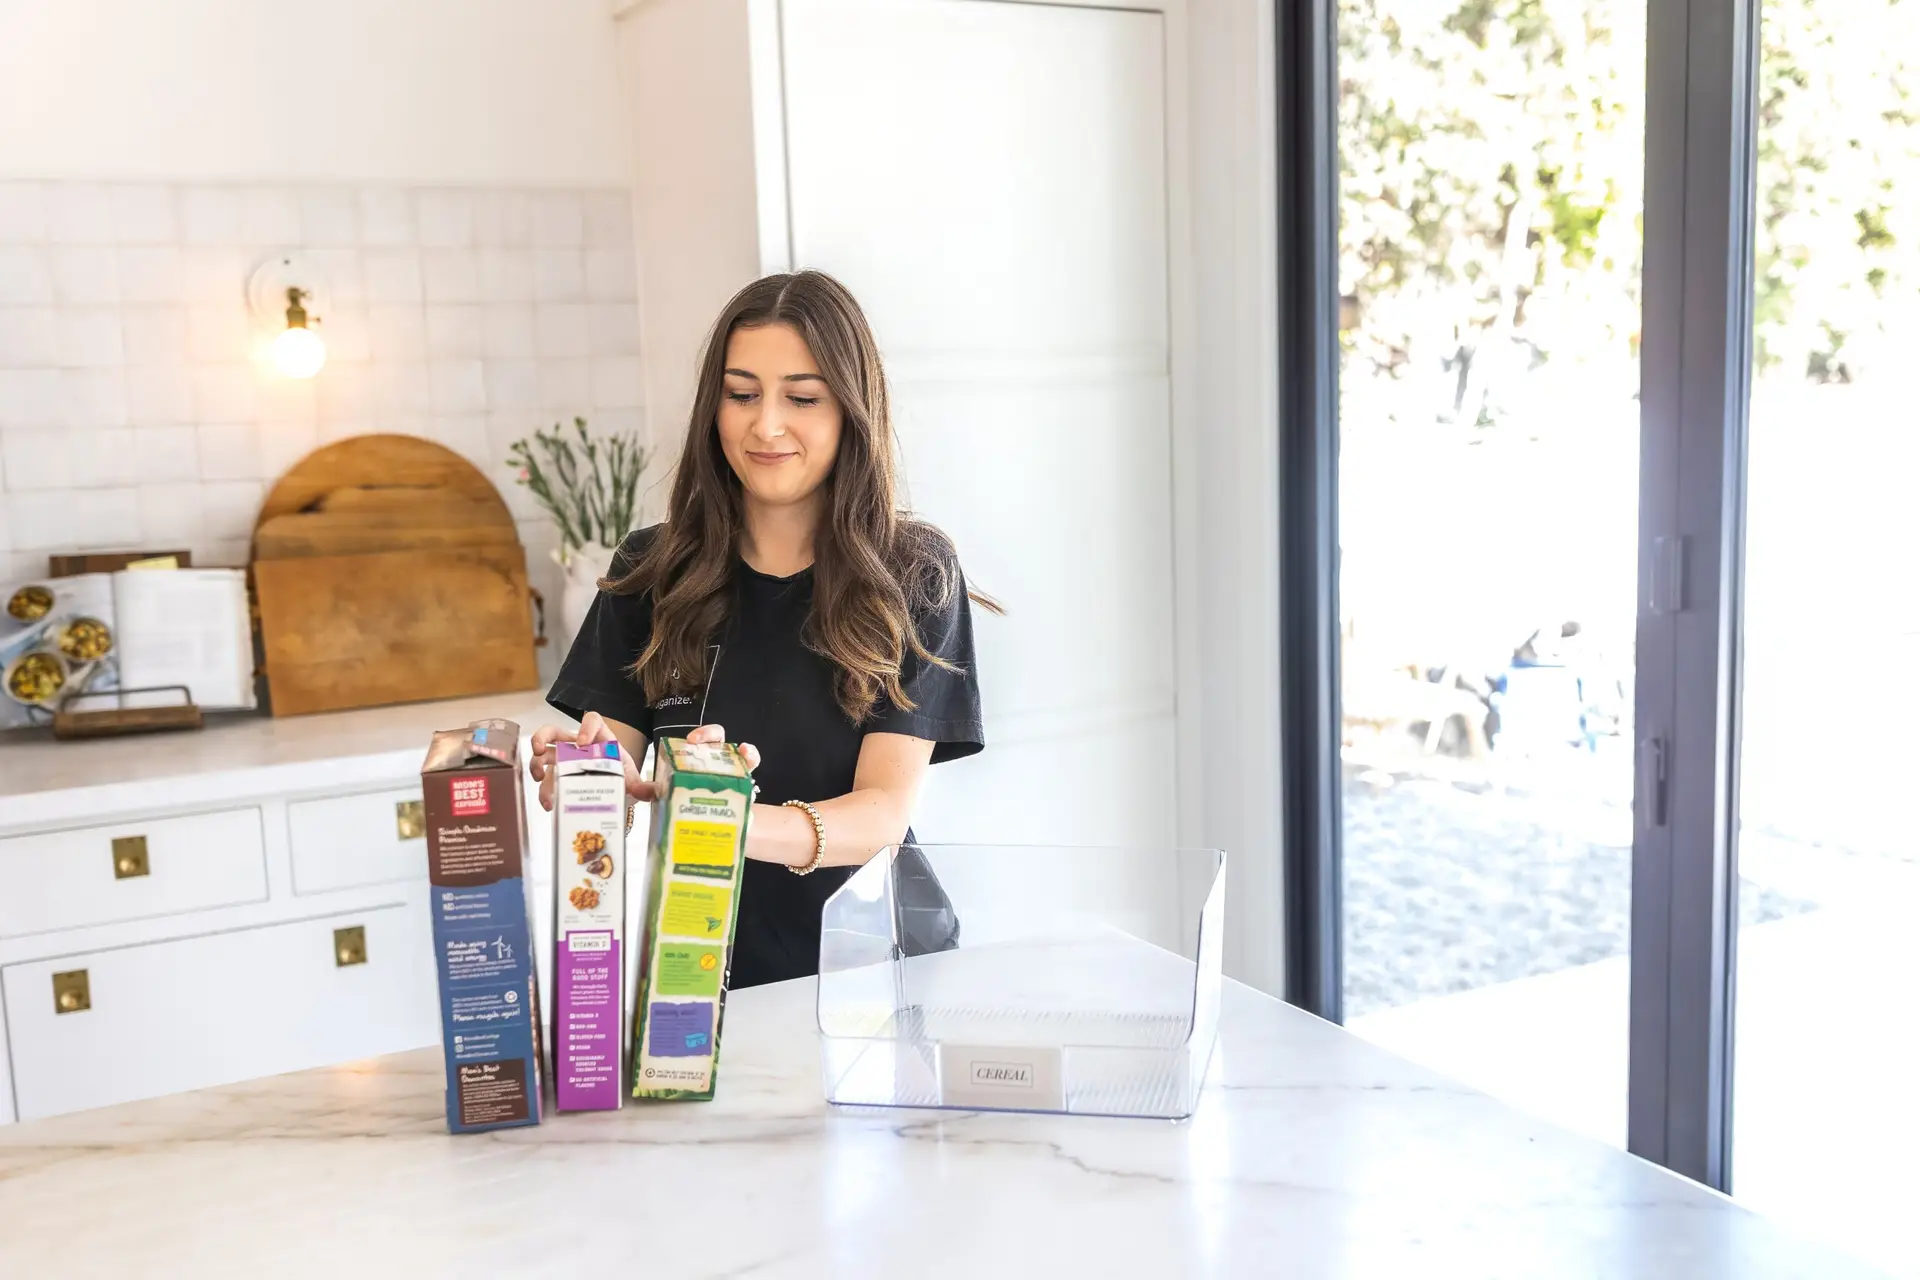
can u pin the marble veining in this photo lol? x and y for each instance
(1313, 1154)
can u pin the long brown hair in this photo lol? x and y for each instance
(875, 566)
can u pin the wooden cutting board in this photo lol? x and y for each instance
(389, 570)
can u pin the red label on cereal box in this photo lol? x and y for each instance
(469, 796)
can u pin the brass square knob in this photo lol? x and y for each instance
(71, 993)
(129, 857)
(350, 946)
(410, 819)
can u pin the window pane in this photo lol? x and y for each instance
(1826, 1118)
(1492, 158)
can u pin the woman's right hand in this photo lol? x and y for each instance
(594, 728)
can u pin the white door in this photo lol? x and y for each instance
(990, 181)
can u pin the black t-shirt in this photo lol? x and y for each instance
(766, 687)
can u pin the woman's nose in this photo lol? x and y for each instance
(770, 423)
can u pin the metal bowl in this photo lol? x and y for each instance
(37, 678)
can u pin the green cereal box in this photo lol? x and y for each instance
(696, 859)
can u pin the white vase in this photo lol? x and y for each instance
(581, 569)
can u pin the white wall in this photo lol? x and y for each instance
(1227, 398)
(405, 91)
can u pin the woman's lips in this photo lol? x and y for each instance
(770, 459)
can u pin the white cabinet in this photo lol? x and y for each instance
(343, 842)
(130, 870)
(991, 182)
(112, 1026)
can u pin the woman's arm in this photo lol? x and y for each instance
(860, 823)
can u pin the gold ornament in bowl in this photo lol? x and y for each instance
(36, 678)
(30, 603)
(86, 640)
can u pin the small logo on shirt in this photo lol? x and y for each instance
(675, 700)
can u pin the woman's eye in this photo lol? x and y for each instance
(742, 397)
(804, 402)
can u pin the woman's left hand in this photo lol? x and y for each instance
(714, 734)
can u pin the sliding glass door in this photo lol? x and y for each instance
(1827, 1031)
(1601, 691)
(1491, 158)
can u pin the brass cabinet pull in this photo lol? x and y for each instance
(71, 993)
(129, 857)
(350, 946)
(410, 819)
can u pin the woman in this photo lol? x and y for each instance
(789, 602)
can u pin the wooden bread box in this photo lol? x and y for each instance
(387, 570)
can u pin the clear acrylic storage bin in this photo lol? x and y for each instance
(1084, 981)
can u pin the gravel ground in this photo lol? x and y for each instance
(1449, 889)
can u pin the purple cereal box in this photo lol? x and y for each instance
(589, 913)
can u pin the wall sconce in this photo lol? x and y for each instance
(287, 297)
(298, 352)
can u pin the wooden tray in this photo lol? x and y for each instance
(388, 569)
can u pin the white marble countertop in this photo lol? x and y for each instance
(1313, 1154)
(44, 782)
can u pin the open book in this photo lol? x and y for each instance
(185, 627)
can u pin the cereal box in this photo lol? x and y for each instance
(476, 817)
(589, 914)
(696, 853)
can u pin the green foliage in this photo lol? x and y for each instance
(590, 486)
(1492, 156)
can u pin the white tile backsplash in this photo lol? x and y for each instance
(393, 275)
(171, 514)
(458, 387)
(386, 217)
(210, 216)
(329, 219)
(560, 329)
(455, 332)
(160, 395)
(93, 397)
(27, 336)
(24, 278)
(513, 384)
(83, 275)
(559, 275)
(270, 218)
(79, 213)
(229, 452)
(23, 213)
(88, 338)
(506, 275)
(451, 275)
(222, 393)
(166, 453)
(29, 397)
(137, 405)
(613, 328)
(610, 275)
(446, 219)
(566, 386)
(155, 336)
(102, 456)
(144, 214)
(558, 220)
(396, 333)
(149, 273)
(36, 458)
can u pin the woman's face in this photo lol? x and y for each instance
(779, 422)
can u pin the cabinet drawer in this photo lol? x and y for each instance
(344, 841)
(144, 1021)
(130, 870)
